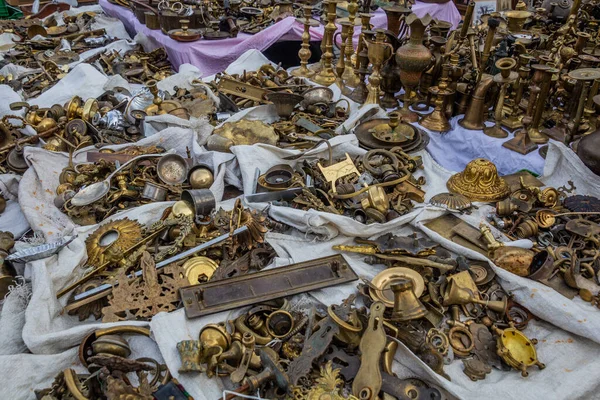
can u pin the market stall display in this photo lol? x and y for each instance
(413, 216)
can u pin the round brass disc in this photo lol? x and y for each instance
(199, 269)
(401, 134)
(585, 74)
(35, 30)
(390, 276)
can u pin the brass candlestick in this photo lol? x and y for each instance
(359, 94)
(379, 51)
(326, 76)
(514, 120)
(340, 67)
(305, 53)
(349, 76)
(584, 77)
(365, 20)
(504, 78)
(545, 75)
(521, 143)
(437, 121)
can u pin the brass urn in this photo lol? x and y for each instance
(413, 58)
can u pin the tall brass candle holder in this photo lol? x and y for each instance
(378, 51)
(340, 66)
(349, 76)
(584, 77)
(365, 20)
(513, 121)
(437, 121)
(544, 81)
(503, 79)
(521, 143)
(305, 53)
(359, 94)
(326, 75)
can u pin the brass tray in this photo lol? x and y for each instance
(367, 141)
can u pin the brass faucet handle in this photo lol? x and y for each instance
(489, 238)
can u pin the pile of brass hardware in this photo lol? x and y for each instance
(330, 337)
(442, 309)
(564, 228)
(251, 88)
(134, 271)
(137, 66)
(145, 175)
(303, 119)
(48, 59)
(188, 21)
(106, 354)
(441, 304)
(374, 188)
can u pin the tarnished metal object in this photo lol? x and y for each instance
(517, 350)
(207, 298)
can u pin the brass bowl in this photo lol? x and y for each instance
(284, 102)
(172, 169)
(317, 95)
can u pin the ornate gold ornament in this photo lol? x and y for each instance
(142, 299)
(243, 132)
(327, 386)
(109, 242)
(479, 182)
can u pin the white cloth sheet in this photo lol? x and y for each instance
(38, 339)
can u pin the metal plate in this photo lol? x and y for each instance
(213, 297)
(458, 231)
(241, 89)
(367, 141)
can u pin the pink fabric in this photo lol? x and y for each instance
(212, 56)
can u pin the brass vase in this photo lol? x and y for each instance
(378, 51)
(413, 58)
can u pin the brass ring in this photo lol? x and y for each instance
(268, 323)
(454, 337)
(86, 343)
(342, 323)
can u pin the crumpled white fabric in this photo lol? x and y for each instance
(51, 334)
(42, 178)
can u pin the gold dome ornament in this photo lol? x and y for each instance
(109, 242)
(479, 182)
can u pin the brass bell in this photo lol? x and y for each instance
(406, 304)
(461, 296)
